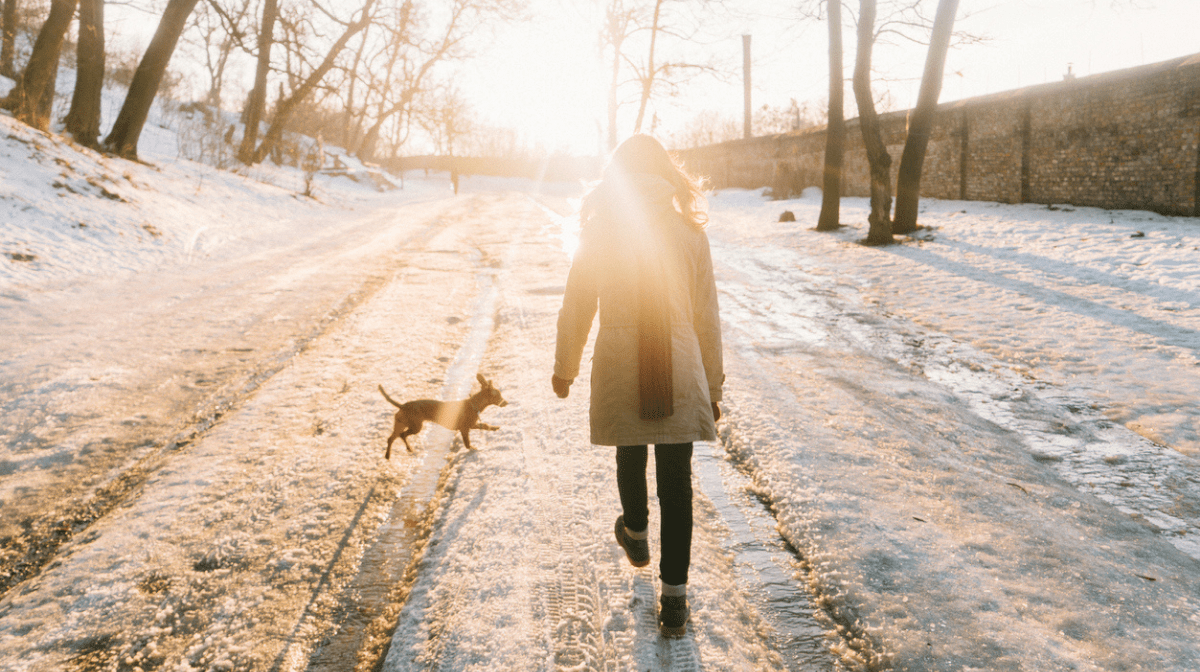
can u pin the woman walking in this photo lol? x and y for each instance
(644, 262)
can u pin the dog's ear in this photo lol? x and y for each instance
(482, 381)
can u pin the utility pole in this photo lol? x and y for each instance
(746, 81)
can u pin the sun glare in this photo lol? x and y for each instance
(544, 80)
(568, 226)
(571, 225)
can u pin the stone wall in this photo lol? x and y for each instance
(1124, 139)
(557, 168)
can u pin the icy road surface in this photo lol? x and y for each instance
(193, 462)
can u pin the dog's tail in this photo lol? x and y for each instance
(390, 400)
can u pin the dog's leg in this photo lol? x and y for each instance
(485, 426)
(406, 444)
(415, 429)
(391, 439)
(398, 427)
(466, 434)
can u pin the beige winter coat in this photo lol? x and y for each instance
(642, 224)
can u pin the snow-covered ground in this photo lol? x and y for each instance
(963, 455)
(978, 447)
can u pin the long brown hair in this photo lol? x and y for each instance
(644, 154)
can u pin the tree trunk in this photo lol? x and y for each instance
(880, 231)
(216, 70)
(352, 128)
(920, 124)
(612, 100)
(835, 131)
(285, 108)
(617, 38)
(213, 97)
(32, 99)
(369, 144)
(123, 138)
(648, 79)
(8, 41)
(83, 121)
(370, 139)
(256, 104)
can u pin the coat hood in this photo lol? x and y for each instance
(633, 197)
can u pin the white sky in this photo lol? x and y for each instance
(544, 77)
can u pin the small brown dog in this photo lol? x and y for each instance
(462, 416)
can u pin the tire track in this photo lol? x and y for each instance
(23, 557)
(541, 503)
(389, 567)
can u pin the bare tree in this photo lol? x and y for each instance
(920, 125)
(835, 133)
(618, 23)
(493, 141)
(772, 119)
(218, 33)
(83, 120)
(390, 90)
(305, 88)
(413, 49)
(127, 129)
(880, 229)
(628, 23)
(707, 127)
(351, 131)
(256, 104)
(8, 39)
(652, 72)
(33, 97)
(370, 94)
(446, 119)
(891, 21)
(649, 73)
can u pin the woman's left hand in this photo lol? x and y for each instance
(716, 411)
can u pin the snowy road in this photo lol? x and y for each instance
(247, 519)
(162, 434)
(100, 379)
(194, 463)
(955, 511)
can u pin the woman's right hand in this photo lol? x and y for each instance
(562, 387)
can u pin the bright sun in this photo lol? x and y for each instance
(544, 79)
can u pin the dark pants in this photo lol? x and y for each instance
(673, 472)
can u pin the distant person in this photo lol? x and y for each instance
(644, 261)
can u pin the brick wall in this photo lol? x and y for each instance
(1124, 139)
